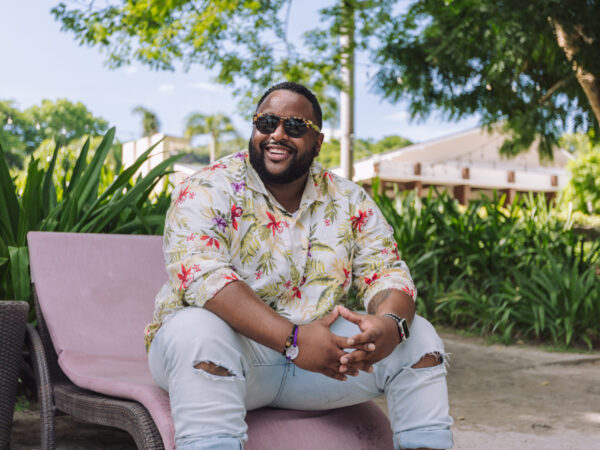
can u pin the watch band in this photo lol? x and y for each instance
(290, 350)
(402, 326)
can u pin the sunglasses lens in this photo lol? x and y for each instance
(267, 124)
(295, 127)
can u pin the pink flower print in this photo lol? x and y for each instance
(238, 186)
(197, 268)
(185, 193)
(327, 174)
(385, 251)
(191, 237)
(327, 222)
(220, 223)
(302, 281)
(218, 166)
(409, 291)
(231, 277)
(210, 241)
(240, 155)
(347, 275)
(258, 274)
(287, 284)
(274, 225)
(395, 251)
(359, 221)
(296, 292)
(236, 211)
(185, 276)
(369, 281)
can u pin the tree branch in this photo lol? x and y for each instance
(556, 86)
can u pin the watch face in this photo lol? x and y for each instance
(292, 351)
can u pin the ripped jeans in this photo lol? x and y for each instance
(208, 410)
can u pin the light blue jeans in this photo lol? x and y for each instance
(208, 410)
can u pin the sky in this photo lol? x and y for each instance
(38, 61)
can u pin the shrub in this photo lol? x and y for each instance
(515, 270)
(125, 206)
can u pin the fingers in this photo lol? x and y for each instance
(329, 318)
(350, 316)
(363, 338)
(355, 358)
(335, 375)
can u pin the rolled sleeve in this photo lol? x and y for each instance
(196, 244)
(377, 265)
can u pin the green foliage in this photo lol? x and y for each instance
(330, 151)
(245, 41)
(76, 204)
(60, 119)
(501, 60)
(150, 122)
(215, 125)
(517, 271)
(583, 189)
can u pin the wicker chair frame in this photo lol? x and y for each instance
(58, 395)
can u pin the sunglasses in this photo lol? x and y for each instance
(294, 127)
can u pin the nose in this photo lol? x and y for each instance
(279, 132)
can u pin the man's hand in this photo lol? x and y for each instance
(320, 349)
(379, 333)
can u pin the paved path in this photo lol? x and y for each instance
(501, 397)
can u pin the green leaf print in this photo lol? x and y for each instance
(266, 263)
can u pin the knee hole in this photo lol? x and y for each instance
(213, 369)
(429, 360)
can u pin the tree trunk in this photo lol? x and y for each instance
(212, 145)
(589, 82)
(347, 92)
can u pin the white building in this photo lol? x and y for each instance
(466, 164)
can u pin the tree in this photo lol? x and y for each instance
(215, 33)
(330, 151)
(150, 122)
(583, 189)
(60, 119)
(215, 126)
(532, 65)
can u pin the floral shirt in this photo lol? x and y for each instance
(224, 225)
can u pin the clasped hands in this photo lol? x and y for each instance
(324, 352)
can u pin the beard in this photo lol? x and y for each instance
(297, 168)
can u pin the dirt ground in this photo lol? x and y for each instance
(517, 397)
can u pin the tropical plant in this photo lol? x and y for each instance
(150, 122)
(215, 125)
(22, 132)
(489, 267)
(125, 206)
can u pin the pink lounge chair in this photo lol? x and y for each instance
(94, 295)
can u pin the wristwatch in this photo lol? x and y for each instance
(402, 326)
(291, 350)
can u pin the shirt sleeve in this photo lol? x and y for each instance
(377, 265)
(197, 240)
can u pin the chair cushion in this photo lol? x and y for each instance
(96, 292)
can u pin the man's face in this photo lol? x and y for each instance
(277, 157)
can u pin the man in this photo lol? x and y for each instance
(260, 249)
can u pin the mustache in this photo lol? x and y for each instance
(263, 145)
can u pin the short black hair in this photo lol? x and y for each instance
(298, 89)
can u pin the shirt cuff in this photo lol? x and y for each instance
(205, 288)
(389, 280)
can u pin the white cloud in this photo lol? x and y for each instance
(166, 88)
(400, 115)
(211, 87)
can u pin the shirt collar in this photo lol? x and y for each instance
(314, 190)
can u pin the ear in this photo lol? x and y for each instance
(320, 138)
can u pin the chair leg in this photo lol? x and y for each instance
(44, 388)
